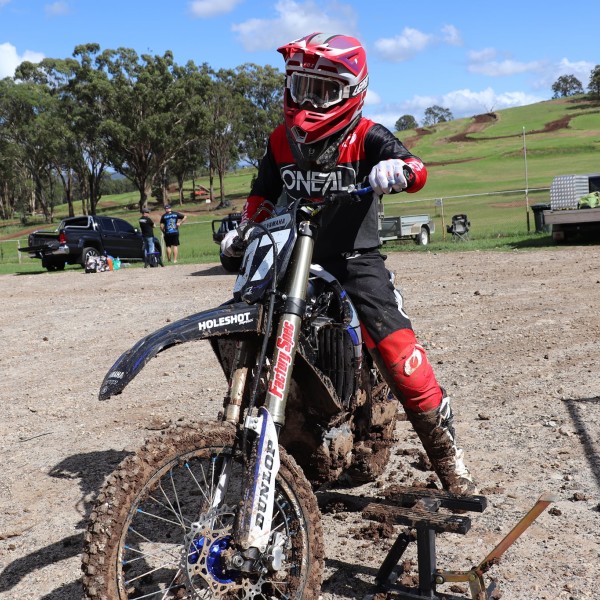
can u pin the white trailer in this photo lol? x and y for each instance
(416, 227)
(565, 215)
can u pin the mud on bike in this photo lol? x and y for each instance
(226, 509)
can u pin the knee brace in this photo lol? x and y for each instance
(409, 372)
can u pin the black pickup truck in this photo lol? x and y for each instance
(78, 238)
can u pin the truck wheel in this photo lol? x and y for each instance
(58, 266)
(231, 264)
(53, 265)
(87, 252)
(423, 237)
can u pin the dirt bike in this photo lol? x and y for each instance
(226, 509)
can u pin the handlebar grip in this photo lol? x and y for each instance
(409, 174)
(361, 191)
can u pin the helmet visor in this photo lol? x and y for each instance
(320, 92)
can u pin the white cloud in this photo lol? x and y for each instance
(580, 69)
(451, 35)
(4, 3)
(412, 41)
(483, 55)
(372, 98)
(293, 20)
(461, 103)
(484, 62)
(57, 9)
(211, 8)
(403, 46)
(10, 60)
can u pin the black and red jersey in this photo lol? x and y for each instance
(345, 227)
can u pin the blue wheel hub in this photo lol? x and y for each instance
(214, 560)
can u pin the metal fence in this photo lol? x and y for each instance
(491, 214)
(9, 251)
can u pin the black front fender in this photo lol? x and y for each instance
(224, 320)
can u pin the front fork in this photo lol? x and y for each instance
(253, 526)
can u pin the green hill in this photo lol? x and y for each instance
(486, 152)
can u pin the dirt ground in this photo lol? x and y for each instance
(514, 337)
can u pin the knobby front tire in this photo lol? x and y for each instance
(153, 535)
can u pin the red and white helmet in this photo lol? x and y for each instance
(326, 85)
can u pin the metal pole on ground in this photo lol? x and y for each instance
(526, 183)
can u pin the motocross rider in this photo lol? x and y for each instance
(326, 145)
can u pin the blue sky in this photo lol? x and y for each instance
(470, 57)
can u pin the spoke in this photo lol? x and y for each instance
(142, 555)
(149, 514)
(178, 512)
(200, 487)
(145, 574)
(170, 508)
(157, 592)
(143, 537)
(173, 583)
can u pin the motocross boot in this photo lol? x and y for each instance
(435, 429)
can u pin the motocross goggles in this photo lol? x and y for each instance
(319, 91)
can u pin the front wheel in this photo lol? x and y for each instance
(157, 532)
(231, 264)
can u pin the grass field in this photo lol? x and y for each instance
(491, 167)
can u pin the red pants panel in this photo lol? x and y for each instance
(410, 370)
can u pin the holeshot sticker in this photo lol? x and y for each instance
(224, 321)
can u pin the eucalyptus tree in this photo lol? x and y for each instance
(28, 118)
(224, 126)
(406, 122)
(262, 109)
(193, 128)
(15, 188)
(437, 114)
(566, 85)
(63, 143)
(147, 120)
(594, 83)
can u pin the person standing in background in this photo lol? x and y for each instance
(147, 229)
(169, 224)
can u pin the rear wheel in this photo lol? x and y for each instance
(53, 264)
(86, 253)
(423, 237)
(156, 531)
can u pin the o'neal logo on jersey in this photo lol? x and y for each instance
(315, 183)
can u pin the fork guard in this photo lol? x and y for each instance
(229, 318)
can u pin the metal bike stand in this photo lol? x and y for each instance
(424, 505)
(418, 509)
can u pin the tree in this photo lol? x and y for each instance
(225, 126)
(406, 122)
(28, 118)
(566, 85)
(261, 108)
(437, 114)
(594, 84)
(148, 117)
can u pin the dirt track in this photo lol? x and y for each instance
(515, 338)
